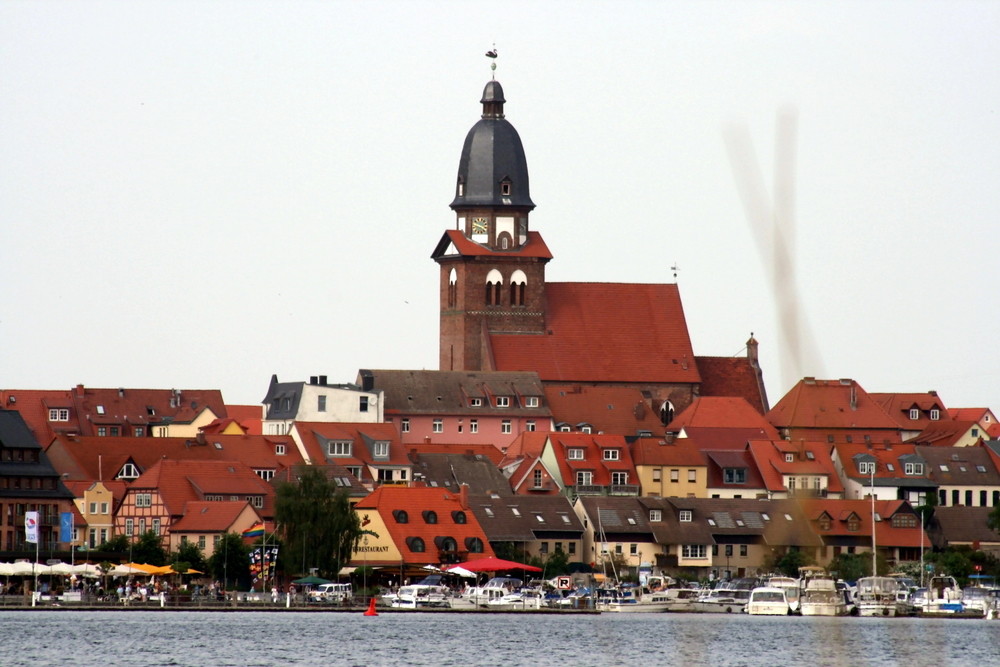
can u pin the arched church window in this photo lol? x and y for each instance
(494, 283)
(666, 412)
(453, 288)
(518, 282)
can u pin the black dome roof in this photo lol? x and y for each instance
(492, 156)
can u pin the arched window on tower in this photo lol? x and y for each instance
(518, 281)
(494, 283)
(460, 190)
(666, 412)
(453, 288)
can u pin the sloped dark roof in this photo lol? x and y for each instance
(962, 525)
(502, 523)
(448, 392)
(451, 470)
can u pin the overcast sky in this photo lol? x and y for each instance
(201, 194)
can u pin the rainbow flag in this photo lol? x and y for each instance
(256, 530)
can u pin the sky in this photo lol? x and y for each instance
(199, 195)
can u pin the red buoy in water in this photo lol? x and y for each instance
(371, 609)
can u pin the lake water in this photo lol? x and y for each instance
(41, 638)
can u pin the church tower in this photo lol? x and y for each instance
(492, 265)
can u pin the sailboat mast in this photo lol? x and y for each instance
(874, 559)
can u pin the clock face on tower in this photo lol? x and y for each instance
(479, 225)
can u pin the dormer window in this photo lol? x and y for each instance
(655, 516)
(476, 402)
(914, 413)
(913, 468)
(935, 414)
(824, 522)
(866, 467)
(430, 516)
(611, 454)
(505, 187)
(531, 402)
(129, 471)
(853, 523)
(789, 458)
(381, 450)
(575, 454)
(339, 448)
(734, 475)
(503, 401)
(685, 516)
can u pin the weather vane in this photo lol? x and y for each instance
(492, 55)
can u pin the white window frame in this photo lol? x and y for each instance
(437, 426)
(279, 450)
(866, 467)
(381, 449)
(505, 426)
(612, 455)
(404, 425)
(476, 402)
(913, 468)
(339, 448)
(473, 426)
(584, 478)
(619, 477)
(531, 402)
(685, 516)
(574, 454)
(935, 414)
(655, 516)
(694, 551)
(529, 425)
(503, 401)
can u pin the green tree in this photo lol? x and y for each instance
(993, 520)
(149, 549)
(790, 562)
(230, 562)
(319, 527)
(926, 510)
(851, 567)
(117, 544)
(557, 563)
(189, 556)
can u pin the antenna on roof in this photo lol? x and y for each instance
(675, 268)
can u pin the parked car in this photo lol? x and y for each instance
(336, 593)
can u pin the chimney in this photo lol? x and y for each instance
(367, 380)
(752, 350)
(79, 390)
(312, 379)
(463, 496)
(322, 380)
(201, 437)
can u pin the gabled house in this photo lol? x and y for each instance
(97, 502)
(846, 526)
(408, 527)
(913, 411)
(318, 401)
(833, 411)
(28, 483)
(963, 475)
(616, 533)
(982, 416)
(461, 406)
(951, 433)
(371, 452)
(889, 472)
(796, 469)
(158, 498)
(121, 412)
(587, 464)
(205, 523)
(668, 467)
(733, 474)
(538, 525)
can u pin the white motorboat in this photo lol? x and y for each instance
(768, 601)
(417, 596)
(660, 602)
(944, 596)
(728, 597)
(791, 587)
(819, 595)
(879, 596)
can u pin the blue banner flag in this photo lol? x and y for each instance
(65, 526)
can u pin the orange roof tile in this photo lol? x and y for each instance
(830, 404)
(209, 516)
(607, 408)
(731, 376)
(660, 451)
(605, 332)
(534, 247)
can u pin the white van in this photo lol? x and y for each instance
(331, 593)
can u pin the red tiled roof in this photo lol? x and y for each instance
(770, 458)
(248, 416)
(947, 433)
(883, 455)
(179, 482)
(593, 447)
(731, 376)
(605, 332)
(534, 247)
(487, 450)
(721, 411)
(898, 407)
(416, 501)
(608, 408)
(209, 516)
(310, 432)
(92, 458)
(885, 535)
(835, 404)
(660, 452)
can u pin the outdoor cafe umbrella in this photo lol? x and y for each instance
(493, 564)
(460, 571)
(311, 581)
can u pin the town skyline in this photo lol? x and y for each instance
(198, 206)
